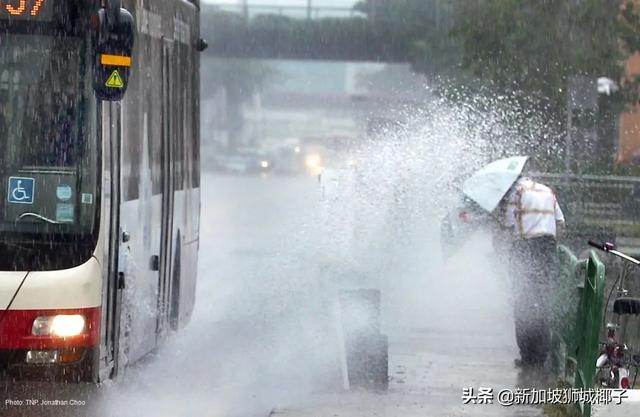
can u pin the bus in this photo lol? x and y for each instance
(99, 170)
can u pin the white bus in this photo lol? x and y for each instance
(100, 211)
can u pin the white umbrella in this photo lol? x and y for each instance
(490, 184)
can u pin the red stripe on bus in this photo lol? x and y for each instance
(15, 330)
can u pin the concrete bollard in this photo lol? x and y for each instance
(365, 348)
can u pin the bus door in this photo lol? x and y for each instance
(113, 284)
(169, 143)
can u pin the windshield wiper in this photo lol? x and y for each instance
(37, 216)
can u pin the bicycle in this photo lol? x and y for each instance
(614, 361)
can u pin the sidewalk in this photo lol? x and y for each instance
(425, 383)
(396, 405)
(629, 407)
(451, 330)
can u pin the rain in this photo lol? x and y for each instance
(291, 208)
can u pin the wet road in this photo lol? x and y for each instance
(263, 337)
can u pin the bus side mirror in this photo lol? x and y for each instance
(113, 43)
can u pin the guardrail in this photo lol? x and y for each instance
(604, 206)
(577, 320)
(565, 302)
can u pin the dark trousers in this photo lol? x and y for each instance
(532, 271)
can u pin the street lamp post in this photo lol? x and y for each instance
(582, 101)
(568, 153)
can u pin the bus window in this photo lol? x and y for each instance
(50, 170)
(53, 142)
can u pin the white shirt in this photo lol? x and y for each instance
(533, 210)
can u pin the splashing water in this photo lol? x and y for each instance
(273, 256)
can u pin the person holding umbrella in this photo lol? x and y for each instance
(528, 218)
(534, 216)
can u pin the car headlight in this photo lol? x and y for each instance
(60, 325)
(313, 161)
(264, 164)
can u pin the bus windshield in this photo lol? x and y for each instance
(49, 164)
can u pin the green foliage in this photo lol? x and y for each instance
(629, 34)
(534, 47)
(629, 23)
(515, 46)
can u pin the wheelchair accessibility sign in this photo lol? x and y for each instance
(20, 190)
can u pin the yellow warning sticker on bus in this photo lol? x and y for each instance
(119, 60)
(115, 80)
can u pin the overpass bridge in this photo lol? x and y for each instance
(308, 11)
(308, 32)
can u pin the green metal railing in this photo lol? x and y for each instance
(565, 302)
(577, 320)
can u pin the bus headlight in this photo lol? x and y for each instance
(60, 326)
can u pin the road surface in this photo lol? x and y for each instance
(263, 338)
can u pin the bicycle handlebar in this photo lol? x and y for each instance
(611, 248)
(596, 245)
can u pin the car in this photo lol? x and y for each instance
(463, 219)
(245, 162)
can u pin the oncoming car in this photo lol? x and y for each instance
(459, 223)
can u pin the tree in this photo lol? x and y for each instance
(536, 47)
(629, 35)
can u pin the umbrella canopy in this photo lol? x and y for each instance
(490, 184)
